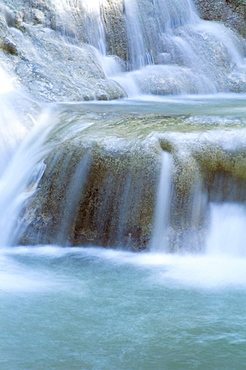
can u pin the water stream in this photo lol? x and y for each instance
(175, 52)
(158, 178)
(162, 213)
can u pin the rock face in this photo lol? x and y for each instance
(101, 196)
(99, 187)
(100, 181)
(50, 65)
(52, 48)
(231, 12)
(115, 28)
(96, 191)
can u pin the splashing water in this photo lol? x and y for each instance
(18, 179)
(11, 129)
(226, 232)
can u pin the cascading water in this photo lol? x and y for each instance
(145, 34)
(82, 18)
(160, 237)
(178, 50)
(225, 221)
(226, 229)
(22, 164)
(160, 175)
(166, 48)
(188, 55)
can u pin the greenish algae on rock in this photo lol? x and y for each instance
(99, 186)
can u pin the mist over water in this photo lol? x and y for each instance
(141, 310)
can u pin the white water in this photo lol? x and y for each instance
(11, 129)
(85, 15)
(178, 53)
(19, 180)
(138, 55)
(226, 221)
(226, 232)
(91, 308)
(22, 152)
(170, 50)
(159, 240)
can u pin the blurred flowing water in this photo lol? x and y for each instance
(95, 308)
(90, 308)
(164, 47)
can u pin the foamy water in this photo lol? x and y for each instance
(191, 271)
(66, 308)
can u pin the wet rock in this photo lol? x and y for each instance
(101, 195)
(99, 186)
(231, 12)
(9, 47)
(50, 66)
(115, 28)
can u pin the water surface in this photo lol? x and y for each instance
(89, 308)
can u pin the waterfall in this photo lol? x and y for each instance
(122, 213)
(177, 52)
(158, 47)
(11, 129)
(225, 225)
(82, 18)
(19, 179)
(161, 222)
(226, 232)
(145, 31)
(101, 177)
(138, 55)
(23, 147)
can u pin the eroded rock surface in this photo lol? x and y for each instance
(100, 186)
(231, 12)
(50, 63)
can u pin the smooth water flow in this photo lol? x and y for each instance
(166, 48)
(11, 129)
(138, 55)
(19, 180)
(91, 308)
(159, 242)
(82, 17)
(122, 223)
(226, 230)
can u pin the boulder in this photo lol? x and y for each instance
(99, 186)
